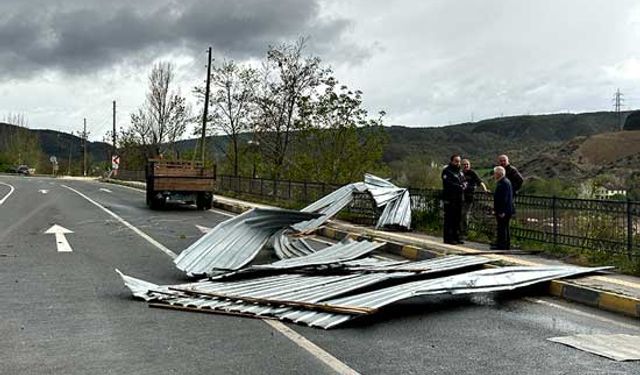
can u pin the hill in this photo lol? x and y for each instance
(612, 153)
(59, 144)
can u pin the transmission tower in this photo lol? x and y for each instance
(617, 98)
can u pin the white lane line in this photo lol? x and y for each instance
(318, 352)
(127, 224)
(222, 212)
(105, 190)
(582, 313)
(292, 335)
(8, 194)
(43, 191)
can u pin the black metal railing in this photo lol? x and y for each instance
(607, 226)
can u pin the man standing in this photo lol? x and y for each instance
(473, 181)
(453, 186)
(511, 173)
(503, 208)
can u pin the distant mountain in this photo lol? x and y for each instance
(518, 136)
(528, 140)
(61, 145)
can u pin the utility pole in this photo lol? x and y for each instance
(617, 98)
(205, 113)
(114, 152)
(84, 148)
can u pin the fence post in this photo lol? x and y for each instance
(275, 188)
(323, 188)
(289, 189)
(555, 220)
(629, 230)
(261, 187)
(304, 191)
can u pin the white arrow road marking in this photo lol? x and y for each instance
(203, 229)
(61, 240)
(106, 190)
(43, 191)
(8, 194)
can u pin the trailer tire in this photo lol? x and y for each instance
(203, 201)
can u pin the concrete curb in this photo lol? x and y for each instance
(131, 184)
(570, 291)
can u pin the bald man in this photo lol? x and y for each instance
(511, 173)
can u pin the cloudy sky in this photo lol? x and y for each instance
(425, 62)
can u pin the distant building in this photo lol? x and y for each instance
(608, 192)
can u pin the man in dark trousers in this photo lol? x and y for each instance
(473, 181)
(503, 208)
(511, 173)
(453, 186)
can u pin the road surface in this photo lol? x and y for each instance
(67, 312)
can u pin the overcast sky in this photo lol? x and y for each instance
(425, 62)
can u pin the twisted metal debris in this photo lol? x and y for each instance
(235, 242)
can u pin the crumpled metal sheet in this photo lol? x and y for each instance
(329, 206)
(483, 281)
(439, 264)
(345, 250)
(286, 246)
(235, 242)
(396, 202)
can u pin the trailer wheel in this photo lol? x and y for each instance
(157, 203)
(203, 201)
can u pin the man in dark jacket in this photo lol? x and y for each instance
(453, 186)
(511, 173)
(503, 208)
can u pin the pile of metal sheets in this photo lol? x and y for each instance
(327, 301)
(235, 242)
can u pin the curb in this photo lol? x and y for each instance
(601, 299)
(131, 184)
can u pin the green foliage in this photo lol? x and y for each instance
(339, 142)
(416, 171)
(551, 187)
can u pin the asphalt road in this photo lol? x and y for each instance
(69, 313)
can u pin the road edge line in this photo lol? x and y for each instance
(324, 356)
(8, 194)
(142, 234)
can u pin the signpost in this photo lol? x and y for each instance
(54, 165)
(115, 164)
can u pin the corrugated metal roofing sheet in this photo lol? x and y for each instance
(235, 242)
(396, 202)
(289, 247)
(617, 347)
(336, 253)
(328, 206)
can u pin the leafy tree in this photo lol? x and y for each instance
(164, 116)
(338, 142)
(289, 77)
(231, 105)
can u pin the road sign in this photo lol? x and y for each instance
(115, 162)
(53, 160)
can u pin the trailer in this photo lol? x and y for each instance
(179, 180)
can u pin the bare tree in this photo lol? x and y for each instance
(290, 79)
(164, 115)
(231, 104)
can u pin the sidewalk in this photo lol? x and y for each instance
(612, 292)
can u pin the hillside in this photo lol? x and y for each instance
(614, 153)
(62, 145)
(534, 143)
(519, 136)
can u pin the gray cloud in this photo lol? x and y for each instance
(80, 37)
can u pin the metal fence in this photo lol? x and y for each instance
(608, 226)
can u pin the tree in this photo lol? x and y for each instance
(338, 142)
(289, 78)
(164, 115)
(231, 105)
